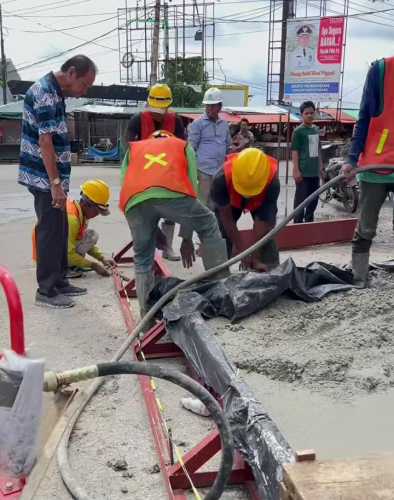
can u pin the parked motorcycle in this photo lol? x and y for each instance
(342, 192)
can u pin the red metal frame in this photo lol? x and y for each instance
(316, 233)
(176, 481)
(17, 332)
(11, 487)
(151, 347)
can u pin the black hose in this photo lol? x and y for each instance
(199, 391)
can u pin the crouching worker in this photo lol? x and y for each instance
(159, 181)
(94, 201)
(248, 182)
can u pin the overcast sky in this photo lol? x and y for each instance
(240, 47)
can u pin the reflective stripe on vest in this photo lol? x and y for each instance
(379, 146)
(159, 163)
(236, 200)
(148, 124)
(73, 208)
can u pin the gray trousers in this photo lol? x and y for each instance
(87, 243)
(372, 197)
(205, 182)
(143, 220)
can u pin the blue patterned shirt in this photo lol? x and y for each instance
(44, 112)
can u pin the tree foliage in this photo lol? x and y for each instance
(187, 79)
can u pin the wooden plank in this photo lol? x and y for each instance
(370, 478)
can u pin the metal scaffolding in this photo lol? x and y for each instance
(186, 30)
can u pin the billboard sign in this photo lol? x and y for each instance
(314, 51)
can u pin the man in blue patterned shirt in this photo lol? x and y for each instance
(45, 165)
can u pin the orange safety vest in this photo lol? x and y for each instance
(159, 163)
(235, 198)
(148, 124)
(379, 146)
(73, 208)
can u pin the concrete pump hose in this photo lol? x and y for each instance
(187, 383)
(62, 455)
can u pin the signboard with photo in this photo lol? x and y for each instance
(314, 51)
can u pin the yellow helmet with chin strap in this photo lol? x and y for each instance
(251, 172)
(97, 192)
(160, 96)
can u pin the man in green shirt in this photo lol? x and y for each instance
(159, 181)
(307, 164)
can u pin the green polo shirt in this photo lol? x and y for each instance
(160, 193)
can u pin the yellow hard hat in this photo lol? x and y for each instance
(251, 172)
(160, 96)
(98, 193)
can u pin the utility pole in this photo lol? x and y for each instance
(155, 45)
(166, 35)
(3, 60)
(287, 13)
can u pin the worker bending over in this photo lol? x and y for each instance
(159, 180)
(94, 201)
(248, 182)
(157, 116)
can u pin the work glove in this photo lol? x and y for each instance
(187, 253)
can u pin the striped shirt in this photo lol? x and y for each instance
(44, 112)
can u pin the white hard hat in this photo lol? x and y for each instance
(212, 96)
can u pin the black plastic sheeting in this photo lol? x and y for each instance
(255, 435)
(242, 294)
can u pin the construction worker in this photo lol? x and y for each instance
(372, 145)
(159, 180)
(248, 182)
(94, 201)
(156, 116)
(211, 140)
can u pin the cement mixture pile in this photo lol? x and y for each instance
(341, 346)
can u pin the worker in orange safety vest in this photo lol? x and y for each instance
(372, 146)
(159, 180)
(157, 116)
(248, 183)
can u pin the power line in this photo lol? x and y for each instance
(68, 34)
(37, 8)
(59, 16)
(66, 51)
(62, 30)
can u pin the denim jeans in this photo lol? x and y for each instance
(143, 220)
